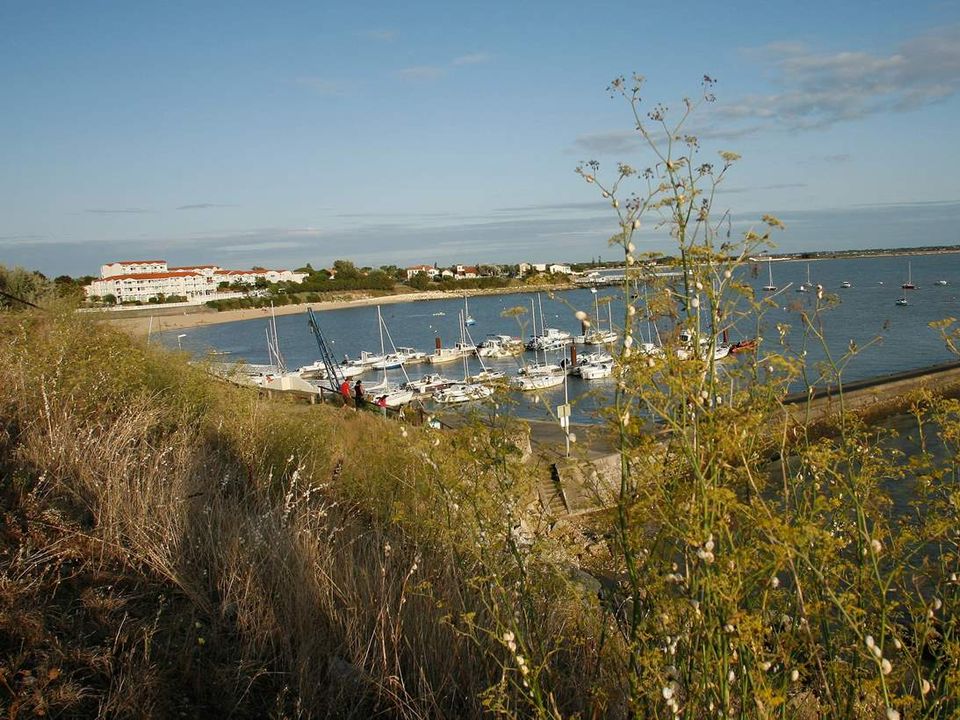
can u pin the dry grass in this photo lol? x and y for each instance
(231, 557)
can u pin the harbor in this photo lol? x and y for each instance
(886, 338)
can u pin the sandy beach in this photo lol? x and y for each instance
(143, 324)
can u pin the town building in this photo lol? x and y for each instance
(428, 270)
(145, 280)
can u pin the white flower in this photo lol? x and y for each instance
(631, 310)
(877, 652)
(628, 341)
(636, 224)
(667, 692)
(631, 247)
(794, 675)
(699, 285)
(695, 303)
(876, 546)
(625, 418)
(588, 178)
(727, 274)
(870, 641)
(924, 686)
(937, 604)
(731, 677)
(580, 315)
(775, 582)
(765, 666)
(885, 666)
(630, 260)
(892, 714)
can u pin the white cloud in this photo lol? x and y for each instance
(321, 86)
(380, 35)
(819, 88)
(471, 59)
(421, 72)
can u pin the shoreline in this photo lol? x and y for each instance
(141, 325)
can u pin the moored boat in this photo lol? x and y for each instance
(462, 392)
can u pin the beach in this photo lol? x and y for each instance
(145, 323)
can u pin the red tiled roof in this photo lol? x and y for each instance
(193, 267)
(152, 276)
(136, 262)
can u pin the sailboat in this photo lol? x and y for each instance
(467, 318)
(538, 375)
(908, 285)
(769, 287)
(805, 287)
(470, 388)
(598, 336)
(276, 376)
(394, 394)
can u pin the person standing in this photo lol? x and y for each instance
(382, 404)
(345, 391)
(358, 394)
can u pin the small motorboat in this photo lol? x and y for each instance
(902, 301)
(846, 284)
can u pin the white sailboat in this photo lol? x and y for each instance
(394, 395)
(769, 287)
(908, 285)
(597, 335)
(468, 390)
(538, 375)
(467, 318)
(806, 287)
(499, 346)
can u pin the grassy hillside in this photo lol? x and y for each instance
(174, 544)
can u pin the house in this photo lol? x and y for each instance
(464, 272)
(428, 270)
(558, 269)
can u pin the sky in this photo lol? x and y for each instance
(276, 134)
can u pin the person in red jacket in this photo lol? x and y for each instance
(345, 391)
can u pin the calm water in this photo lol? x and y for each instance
(866, 311)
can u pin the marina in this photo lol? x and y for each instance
(864, 315)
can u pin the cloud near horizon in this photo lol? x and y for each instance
(203, 206)
(819, 89)
(117, 211)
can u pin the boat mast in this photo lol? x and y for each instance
(383, 356)
(463, 342)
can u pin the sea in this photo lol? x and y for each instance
(889, 337)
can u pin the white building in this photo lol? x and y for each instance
(144, 286)
(142, 280)
(560, 269)
(133, 267)
(428, 270)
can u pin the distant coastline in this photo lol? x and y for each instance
(157, 322)
(176, 319)
(867, 253)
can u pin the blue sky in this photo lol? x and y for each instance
(284, 133)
